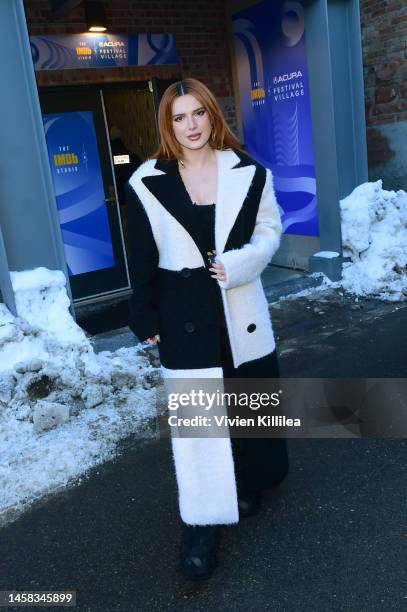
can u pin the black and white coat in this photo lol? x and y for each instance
(172, 291)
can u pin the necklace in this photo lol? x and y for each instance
(184, 177)
(182, 163)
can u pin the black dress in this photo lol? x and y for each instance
(260, 463)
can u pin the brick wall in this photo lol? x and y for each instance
(199, 27)
(203, 49)
(384, 43)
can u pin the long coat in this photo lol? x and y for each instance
(173, 295)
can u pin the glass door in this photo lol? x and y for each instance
(81, 167)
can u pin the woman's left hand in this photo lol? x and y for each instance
(219, 272)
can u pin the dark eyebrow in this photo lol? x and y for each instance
(194, 111)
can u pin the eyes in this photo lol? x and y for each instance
(198, 113)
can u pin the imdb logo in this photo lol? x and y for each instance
(65, 159)
(257, 93)
(83, 51)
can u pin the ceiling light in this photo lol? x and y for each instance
(95, 16)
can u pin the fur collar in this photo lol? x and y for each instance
(235, 174)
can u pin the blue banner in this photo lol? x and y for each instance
(75, 167)
(269, 43)
(89, 50)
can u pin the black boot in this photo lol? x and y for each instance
(199, 551)
(249, 502)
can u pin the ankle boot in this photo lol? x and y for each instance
(249, 502)
(199, 551)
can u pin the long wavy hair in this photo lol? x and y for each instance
(221, 137)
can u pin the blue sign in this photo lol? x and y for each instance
(89, 50)
(75, 167)
(269, 43)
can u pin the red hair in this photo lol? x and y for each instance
(221, 137)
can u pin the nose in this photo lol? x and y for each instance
(191, 122)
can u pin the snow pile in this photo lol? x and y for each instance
(63, 408)
(374, 236)
(44, 330)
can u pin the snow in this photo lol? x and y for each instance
(31, 289)
(49, 372)
(44, 329)
(374, 236)
(327, 254)
(374, 239)
(310, 291)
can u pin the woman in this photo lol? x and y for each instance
(203, 225)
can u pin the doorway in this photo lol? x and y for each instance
(126, 134)
(96, 137)
(79, 156)
(132, 128)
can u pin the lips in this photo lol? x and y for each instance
(194, 137)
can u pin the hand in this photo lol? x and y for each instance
(219, 271)
(153, 339)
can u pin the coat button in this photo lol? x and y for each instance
(189, 326)
(186, 272)
(251, 328)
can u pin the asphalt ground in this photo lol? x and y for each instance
(333, 536)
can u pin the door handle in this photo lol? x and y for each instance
(111, 199)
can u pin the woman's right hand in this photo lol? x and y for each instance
(153, 339)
